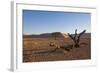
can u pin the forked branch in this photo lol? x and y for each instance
(76, 37)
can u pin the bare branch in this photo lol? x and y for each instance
(81, 33)
(70, 36)
(75, 34)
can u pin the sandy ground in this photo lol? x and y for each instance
(39, 49)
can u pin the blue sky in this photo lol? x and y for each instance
(37, 22)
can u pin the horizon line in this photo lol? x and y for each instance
(48, 33)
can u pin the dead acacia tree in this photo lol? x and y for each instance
(76, 38)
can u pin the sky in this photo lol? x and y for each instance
(37, 22)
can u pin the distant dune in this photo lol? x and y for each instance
(86, 35)
(49, 35)
(46, 35)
